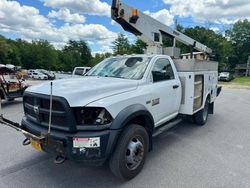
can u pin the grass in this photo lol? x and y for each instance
(242, 80)
(237, 83)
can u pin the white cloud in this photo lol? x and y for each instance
(29, 24)
(65, 15)
(13, 16)
(90, 7)
(163, 16)
(215, 29)
(113, 22)
(221, 11)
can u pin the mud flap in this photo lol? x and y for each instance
(211, 108)
(219, 90)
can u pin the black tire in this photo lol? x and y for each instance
(201, 117)
(189, 119)
(134, 140)
(11, 99)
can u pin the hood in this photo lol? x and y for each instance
(84, 90)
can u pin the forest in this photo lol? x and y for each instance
(229, 48)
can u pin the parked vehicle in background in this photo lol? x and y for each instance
(38, 76)
(51, 75)
(80, 71)
(225, 76)
(10, 66)
(10, 86)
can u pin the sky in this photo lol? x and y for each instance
(59, 21)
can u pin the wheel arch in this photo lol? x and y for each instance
(135, 114)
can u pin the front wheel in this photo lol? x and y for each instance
(129, 157)
(200, 117)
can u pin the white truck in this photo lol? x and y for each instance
(115, 110)
(80, 71)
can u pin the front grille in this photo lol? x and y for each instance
(36, 108)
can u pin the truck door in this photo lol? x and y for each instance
(165, 91)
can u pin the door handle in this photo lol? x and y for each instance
(175, 86)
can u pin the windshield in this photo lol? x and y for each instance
(121, 67)
(224, 73)
(79, 71)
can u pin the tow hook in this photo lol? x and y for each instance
(26, 142)
(59, 159)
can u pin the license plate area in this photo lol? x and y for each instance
(86, 142)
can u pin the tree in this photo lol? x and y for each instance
(75, 54)
(121, 45)
(239, 36)
(222, 48)
(139, 47)
(40, 54)
(37, 55)
(99, 57)
(81, 49)
(3, 50)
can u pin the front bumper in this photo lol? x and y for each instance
(61, 143)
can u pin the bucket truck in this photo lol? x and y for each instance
(114, 111)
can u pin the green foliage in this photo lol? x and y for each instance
(240, 39)
(139, 47)
(9, 53)
(99, 57)
(42, 55)
(228, 50)
(75, 54)
(121, 45)
(222, 48)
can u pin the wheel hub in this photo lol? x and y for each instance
(134, 154)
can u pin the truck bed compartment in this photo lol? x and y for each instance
(198, 78)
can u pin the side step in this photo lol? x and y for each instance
(166, 126)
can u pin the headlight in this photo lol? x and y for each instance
(92, 116)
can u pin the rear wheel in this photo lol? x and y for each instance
(200, 117)
(129, 157)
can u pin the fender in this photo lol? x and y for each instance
(130, 112)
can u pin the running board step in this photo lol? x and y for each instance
(166, 127)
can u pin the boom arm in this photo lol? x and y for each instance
(148, 29)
